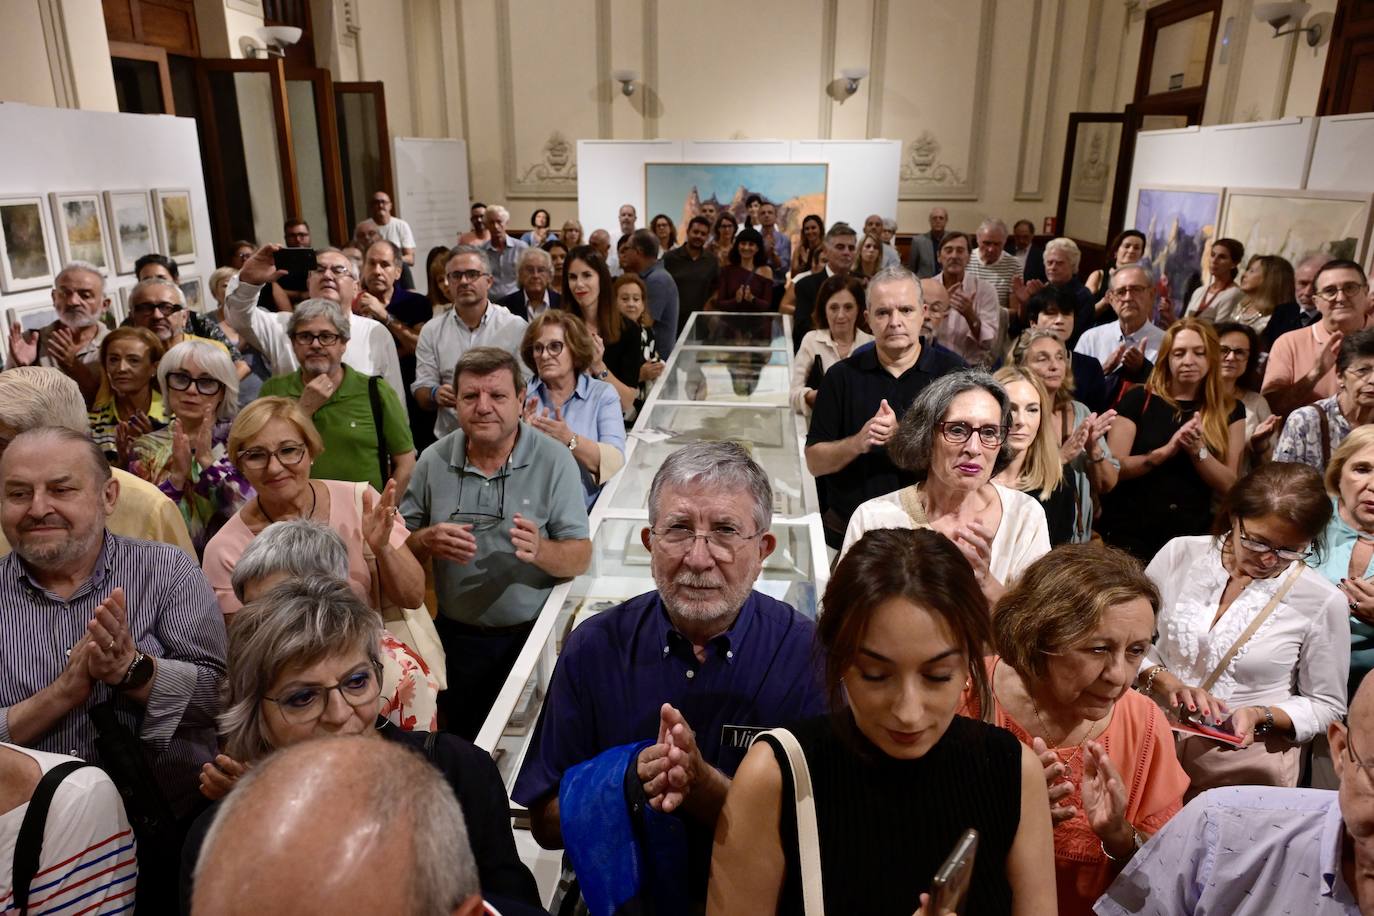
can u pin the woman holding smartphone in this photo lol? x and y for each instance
(903, 630)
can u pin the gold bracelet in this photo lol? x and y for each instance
(1150, 679)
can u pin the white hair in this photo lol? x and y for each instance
(214, 361)
(1067, 247)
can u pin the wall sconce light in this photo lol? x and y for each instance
(852, 75)
(269, 41)
(626, 79)
(1279, 15)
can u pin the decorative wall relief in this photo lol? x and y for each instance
(921, 168)
(559, 165)
(1093, 169)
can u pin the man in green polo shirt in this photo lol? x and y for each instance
(343, 404)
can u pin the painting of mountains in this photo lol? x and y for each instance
(1179, 225)
(679, 189)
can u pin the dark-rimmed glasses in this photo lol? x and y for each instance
(166, 308)
(1254, 545)
(1121, 292)
(1330, 293)
(553, 348)
(465, 276)
(180, 381)
(958, 432)
(306, 704)
(289, 454)
(306, 338)
(1354, 755)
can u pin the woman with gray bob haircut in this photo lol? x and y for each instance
(304, 662)
(188, 460)
(952, 442)
(300, 549)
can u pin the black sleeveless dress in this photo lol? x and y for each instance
(886, 825)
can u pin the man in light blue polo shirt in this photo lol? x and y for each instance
(498, 505)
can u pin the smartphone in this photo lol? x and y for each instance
(11, 319)
(950, 887)
(297, 262)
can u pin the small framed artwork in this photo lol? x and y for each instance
(80, 228)
(26, 260)
(192, 288)
(131, 227)
(116, 312)
(173, 213)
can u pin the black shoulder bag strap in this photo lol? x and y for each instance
(374, 395)
(28, 848)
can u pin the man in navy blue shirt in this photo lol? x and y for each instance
(700, 665)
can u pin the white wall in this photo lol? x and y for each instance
(126, 152)
(862, 177)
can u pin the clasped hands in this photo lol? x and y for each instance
(104, 654)
(672, 767)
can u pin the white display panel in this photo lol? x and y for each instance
(431, 195)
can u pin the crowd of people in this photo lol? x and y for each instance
(1100, 587)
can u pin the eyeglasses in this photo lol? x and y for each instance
(180, 381)
(1237, 352)
(1257, 546)
(482, 521)
(147, 308)
(466, 276)
(553, 348)
(1330, 293)
(958, 432)
(338, 270)
(326, 338)
(1121, 292)
(722, 540)
(289, 455)
(305, 705)
(1354, 755)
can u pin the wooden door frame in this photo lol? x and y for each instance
(129, 50)
(378, 92)
(327, 122)
(1129, 119)
(286, 154)
(1186, 102)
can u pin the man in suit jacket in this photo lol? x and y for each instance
(534, 273)
(841, 246)
(924, 246)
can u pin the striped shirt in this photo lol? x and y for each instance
(173, 616)
(1000, 274)
(88, 865)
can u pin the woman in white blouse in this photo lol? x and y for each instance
(953, 440)
(1286, 682)
(839, 314)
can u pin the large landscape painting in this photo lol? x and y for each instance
(1293, 223)
(1179, 225)
(679, 190)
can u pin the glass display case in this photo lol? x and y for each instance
(727, 378)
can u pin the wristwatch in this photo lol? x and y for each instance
(572, 443)
(1202, 453)
(1267, 725)
(603, 375)
(140, 672)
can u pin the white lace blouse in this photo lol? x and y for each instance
(1299, 658)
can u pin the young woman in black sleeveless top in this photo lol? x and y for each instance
(897, 777)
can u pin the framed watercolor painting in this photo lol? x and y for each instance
(80, 226)
(175, 229)
(131, 227)
(1179, 224)
(1293, 223)
(26, 259)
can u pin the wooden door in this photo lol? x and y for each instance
(1348, 80)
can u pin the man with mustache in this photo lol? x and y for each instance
(88, 617)
(371, 349)
(698, 666)
(72, 342)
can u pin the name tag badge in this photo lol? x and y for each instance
(739, 736)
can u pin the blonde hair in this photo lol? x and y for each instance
(34, 396)
(1361, 437)
(1019, 353)
(128, 332)
(253, 418)
(1216, 406)
(1040, 469)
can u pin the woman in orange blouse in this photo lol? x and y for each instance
(1070, 636)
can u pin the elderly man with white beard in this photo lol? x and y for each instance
(698, 666)
(72, 342)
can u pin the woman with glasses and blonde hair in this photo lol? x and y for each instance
(1250, 637)
(953, 441)
(1035, 466)
(273, 444)
(305, 663)
(189, 460)
(1179, 438)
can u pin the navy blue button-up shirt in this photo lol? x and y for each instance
(618, 668)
